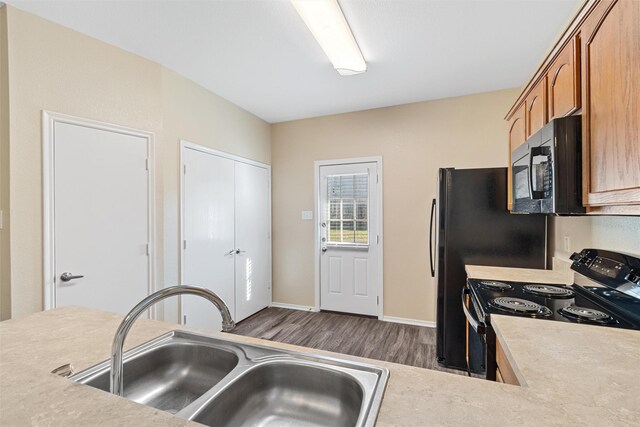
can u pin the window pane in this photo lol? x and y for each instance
(333, 186)
(362, 232)
(361, 209)
(348, 214)
(334, 232)
(334, 209)
(348, 232)
(361, 186)
(346, 186)
(347, 209)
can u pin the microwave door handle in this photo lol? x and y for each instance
(477, 326)
(431, 254)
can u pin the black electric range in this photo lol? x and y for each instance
(608, 295)
(578, 304)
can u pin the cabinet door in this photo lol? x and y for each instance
(564, 81)
(517, 135)
(536, 107)
(611, 98)
(253, 239)
(505, 372)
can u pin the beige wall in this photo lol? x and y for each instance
(60, 70)
(617, 233)
(414, 141)
(5, 272)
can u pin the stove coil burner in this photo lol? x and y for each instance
(549, 291)
(520, 306)
(586, 315)
(496, 286)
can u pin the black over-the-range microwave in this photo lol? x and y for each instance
(547, 170)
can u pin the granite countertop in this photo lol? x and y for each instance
(553, 357)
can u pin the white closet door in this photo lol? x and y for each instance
(253, 240)
(208, 211)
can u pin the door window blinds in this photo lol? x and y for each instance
(348, 209)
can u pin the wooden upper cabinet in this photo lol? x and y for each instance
(563, 79)
(517, 135)
(536, 107)
(593, 70)
(611, 97)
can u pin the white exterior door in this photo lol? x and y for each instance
(349, 238)
(101, 218)
(208, 241)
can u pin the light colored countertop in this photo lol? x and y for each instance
(550, 355)
(520, 274)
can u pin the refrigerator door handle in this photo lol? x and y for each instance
(431, 255)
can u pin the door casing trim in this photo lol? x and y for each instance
(316, 200)
(49, 120)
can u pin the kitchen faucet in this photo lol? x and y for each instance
(117, 384)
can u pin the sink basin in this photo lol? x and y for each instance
(277, 394)
(223, 382)
(168, 376)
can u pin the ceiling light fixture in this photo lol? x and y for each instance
(330, 29)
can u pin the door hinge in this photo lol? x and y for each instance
(378, 300)
(148, 249)
(147, 164)
(377, 179)
(184, 244)
(184, 319)
(377, 240)
(184, 169)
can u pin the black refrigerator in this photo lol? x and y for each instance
(474, 227)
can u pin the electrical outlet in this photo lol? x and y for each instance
(567, 243)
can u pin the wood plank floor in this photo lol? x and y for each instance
(347, 334)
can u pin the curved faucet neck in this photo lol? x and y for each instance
(117, 383)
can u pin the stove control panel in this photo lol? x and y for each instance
(612, 269)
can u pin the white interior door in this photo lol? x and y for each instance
(253, 239)
(208, 240)
(101, 218)
(349, 238)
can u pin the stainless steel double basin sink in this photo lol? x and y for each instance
(221, 382)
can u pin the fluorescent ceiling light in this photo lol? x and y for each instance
(330, 29)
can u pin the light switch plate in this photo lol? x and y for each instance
(307, 215)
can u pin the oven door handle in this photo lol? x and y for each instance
(477, 326)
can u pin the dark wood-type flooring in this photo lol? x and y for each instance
(347, 334)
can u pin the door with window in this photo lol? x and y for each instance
(349, 238)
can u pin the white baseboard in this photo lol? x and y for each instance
(292, 306)
(414, 322)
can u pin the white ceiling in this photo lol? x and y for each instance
(260, 56)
